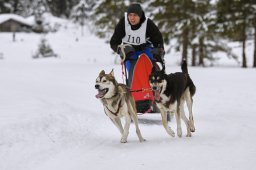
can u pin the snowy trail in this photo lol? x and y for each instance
(50, 119)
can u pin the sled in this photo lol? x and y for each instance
(137, 73)
(137, 78)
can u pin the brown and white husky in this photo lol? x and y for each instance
(117, 102)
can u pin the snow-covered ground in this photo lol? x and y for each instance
(50, 118)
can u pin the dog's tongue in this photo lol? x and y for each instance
(100, 94)
(97, 96)
(157, 95)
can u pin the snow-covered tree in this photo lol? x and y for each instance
(44, 50)
(11, 6)
(237, 19)
(61, 8)
(173, 18)
(40, 7)
(106, 15)
(192, 23)
(81, 13)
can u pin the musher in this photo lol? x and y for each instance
(145, 48)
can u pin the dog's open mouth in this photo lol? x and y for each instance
(157, 93)
(101, 93)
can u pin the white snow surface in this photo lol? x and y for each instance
(50, 118)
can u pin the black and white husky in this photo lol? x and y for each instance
(117, 102)
(170, 93)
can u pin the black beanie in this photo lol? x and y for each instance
(135, 8)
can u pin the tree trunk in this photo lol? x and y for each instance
(254, 55)
(193, 47)
(193, 55)
(244, 65)
(185, 44)
(201, 51)
(82, 30)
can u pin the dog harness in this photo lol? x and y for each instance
(118, 107)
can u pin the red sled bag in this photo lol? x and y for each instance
(139, 84)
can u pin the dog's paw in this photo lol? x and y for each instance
(123, 140)
(171, 132)
(192, 127)
(142, 140)
(189, 135)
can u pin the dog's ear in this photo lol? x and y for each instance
(102, 73)
(112, 72)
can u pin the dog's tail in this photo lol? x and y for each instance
(184, 66)
(190, 84)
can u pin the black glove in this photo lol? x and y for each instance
(158, 54)
(127, 52)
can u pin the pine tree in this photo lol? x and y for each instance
(106, 15)
(193, 25)
(82, 12)
(205, 41)
(27, 8)
(44, 50)
(250, 6)
(237, 19)
(40, 7)
(254, 55)
(58, 7)
(174, 18)
(62, 8)
(5, 6)
(17, 7)
(10, 6)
